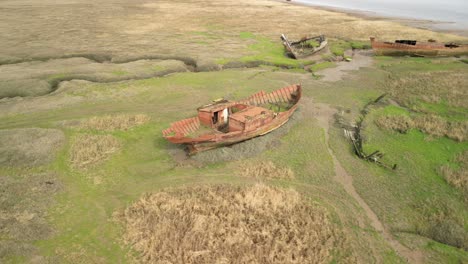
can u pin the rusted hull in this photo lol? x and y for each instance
(424, 49)
(190, 131)
(230, 140)
(420, 52)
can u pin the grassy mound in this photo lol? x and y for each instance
(225, 224)
(23, 87)
(24, 203)
(29, 146)
(88, 150)
(265, 169)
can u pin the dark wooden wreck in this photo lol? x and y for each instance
(304, 47)
(417, 48)
(226, 122)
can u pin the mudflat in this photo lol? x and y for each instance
(204, 30)
(87, 87)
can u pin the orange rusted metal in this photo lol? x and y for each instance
(228, 122)
(416, 48)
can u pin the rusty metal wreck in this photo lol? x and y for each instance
(417, 48)
(226, 122)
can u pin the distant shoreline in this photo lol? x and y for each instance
(370, 15)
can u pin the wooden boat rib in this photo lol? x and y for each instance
(416, 48)
(304, 48)
(228, 122)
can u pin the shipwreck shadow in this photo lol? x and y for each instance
(248, 148)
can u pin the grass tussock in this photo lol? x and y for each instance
(449, 87)
(398, 123)
(437, 126)
(265, 169)
(430, 124)
(88, 150)
(458, 177)
(440, 221)
(226, 224)
(114, 122)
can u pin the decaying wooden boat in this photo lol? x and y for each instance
(224, 122)
(304, 47)
(416, 48)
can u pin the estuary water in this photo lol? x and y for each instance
(446, 14)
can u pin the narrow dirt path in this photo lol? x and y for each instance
(324, 114)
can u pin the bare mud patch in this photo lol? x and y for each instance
(360, 59)
(28, 147)
(227, 224)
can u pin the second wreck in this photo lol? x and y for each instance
(227, 122)
(418, 48)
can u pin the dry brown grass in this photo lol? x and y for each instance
(431, 93)
(431, 87)
(458, 177)
(430, 124)
(399, 123)
(458, 130)
(113, 122)
(265, 169)
(29, 146)
(437, 126)
(88, 150)
(226, 224)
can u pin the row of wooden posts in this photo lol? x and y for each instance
(354, 134)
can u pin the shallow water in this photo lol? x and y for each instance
(449, 14)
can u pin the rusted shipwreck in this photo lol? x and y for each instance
(417, 48)
(224, 122)
(304, 47)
